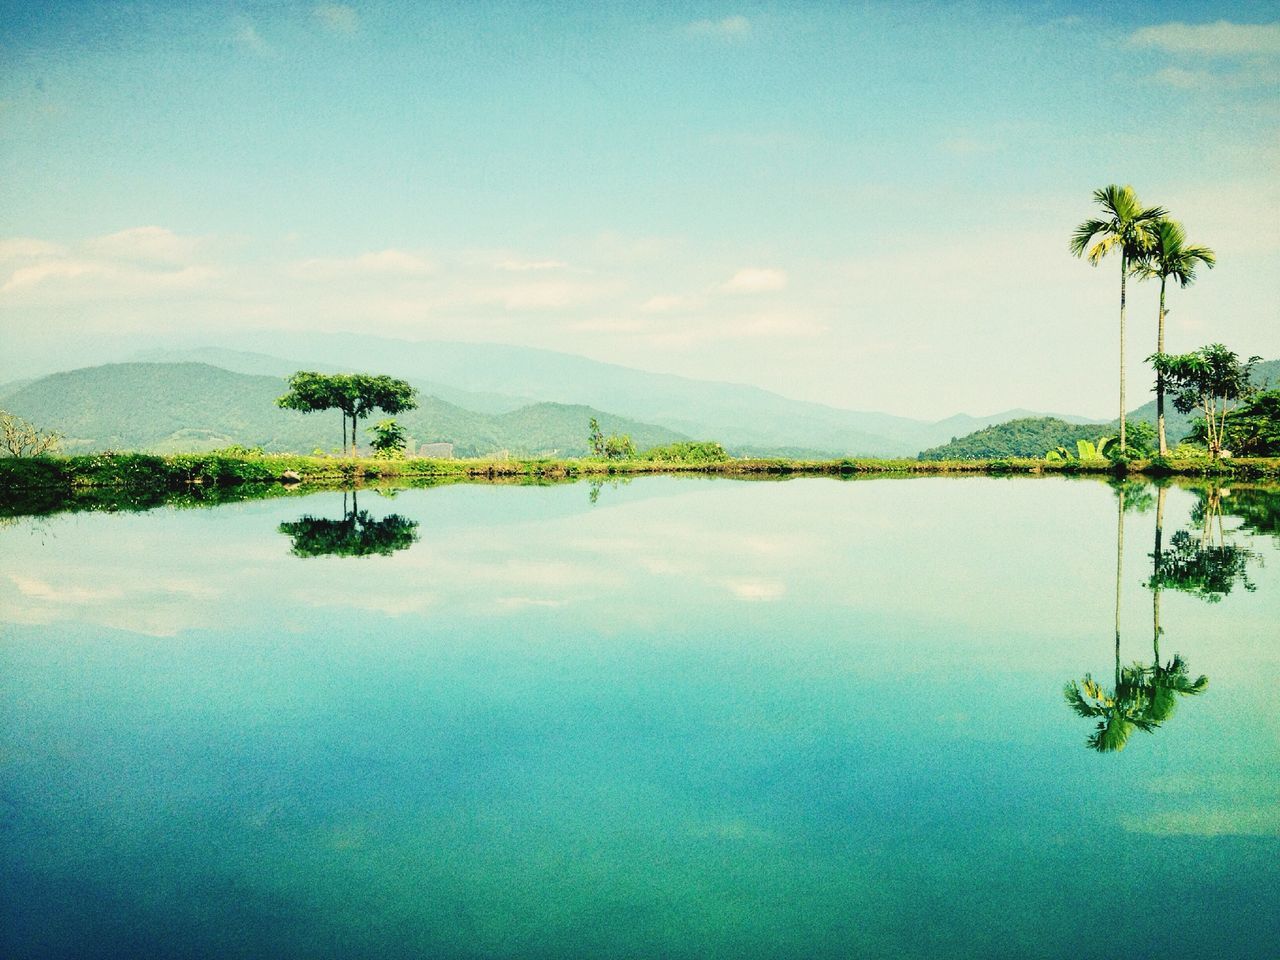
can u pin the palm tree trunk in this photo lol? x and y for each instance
(1124, 270)
(1164, 446)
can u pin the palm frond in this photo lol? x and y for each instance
(1086, 232)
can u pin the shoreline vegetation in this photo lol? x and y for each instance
(133, 481)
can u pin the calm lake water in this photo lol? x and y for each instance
(678, 717)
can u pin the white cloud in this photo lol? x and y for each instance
(516, 265)
(734, 27)
(379, 262)
(666, 304)
(149, 244)
(27, 248)
(337, 17)
(755, 280)
(50, 270)
(1221, 39)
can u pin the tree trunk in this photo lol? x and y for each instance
(1155, 582)
(1164, 446)
(344, 431)
(1124, 270)
(1119, 569)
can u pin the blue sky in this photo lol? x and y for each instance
(862, 204)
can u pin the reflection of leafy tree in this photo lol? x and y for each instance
(357, 534)
(1258, 509)
(1202, 562)
(1206, 571)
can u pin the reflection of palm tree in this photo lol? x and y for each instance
(1143, 697)
(357, 534)
(1123, 709)
(1166, 682)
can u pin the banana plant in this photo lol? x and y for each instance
(1085, 450)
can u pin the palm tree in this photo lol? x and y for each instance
(1170, 256)
(1129, 227)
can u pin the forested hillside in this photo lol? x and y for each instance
(177, 407)
(1027, 437)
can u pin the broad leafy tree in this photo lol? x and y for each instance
(1211, 379)
(356, 395)
(1171, 257)
(1128, 228)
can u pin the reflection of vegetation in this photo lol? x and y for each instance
(1258, 509)
(1119, 711)
(1201, 561)
(357, 534)
(1142, 698)
(594, 494)
(1208, 571)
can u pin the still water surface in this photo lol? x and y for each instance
(678, 717)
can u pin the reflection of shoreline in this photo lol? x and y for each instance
(1255, 502)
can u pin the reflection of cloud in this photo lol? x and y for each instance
(337, 17)
(512, 603)
(730, 28)
(1256, 821)
(43, 590)
(756, 590)
(248, 38)
(390, 604)
(1221, 39)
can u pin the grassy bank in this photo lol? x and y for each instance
(183, 471)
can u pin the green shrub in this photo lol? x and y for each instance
(693, 451)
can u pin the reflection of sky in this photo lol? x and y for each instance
(696, 713)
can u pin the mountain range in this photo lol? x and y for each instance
(483, 398)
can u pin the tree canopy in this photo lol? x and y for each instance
(356, 394)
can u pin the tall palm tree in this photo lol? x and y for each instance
(1127, 227)
(1170, 256)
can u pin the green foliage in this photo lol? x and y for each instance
(1126, 226)
(1254, 427)
(694, 451)
(1206, 570)
(355, 394)
(619, 447)
(388, 438)
(1209, 379)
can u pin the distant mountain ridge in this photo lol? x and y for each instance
(500, 378)
(186, 407)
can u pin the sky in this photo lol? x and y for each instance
(862, 204)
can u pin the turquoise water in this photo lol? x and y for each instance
(678, 717)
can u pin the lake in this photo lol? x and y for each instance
(676, 717)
